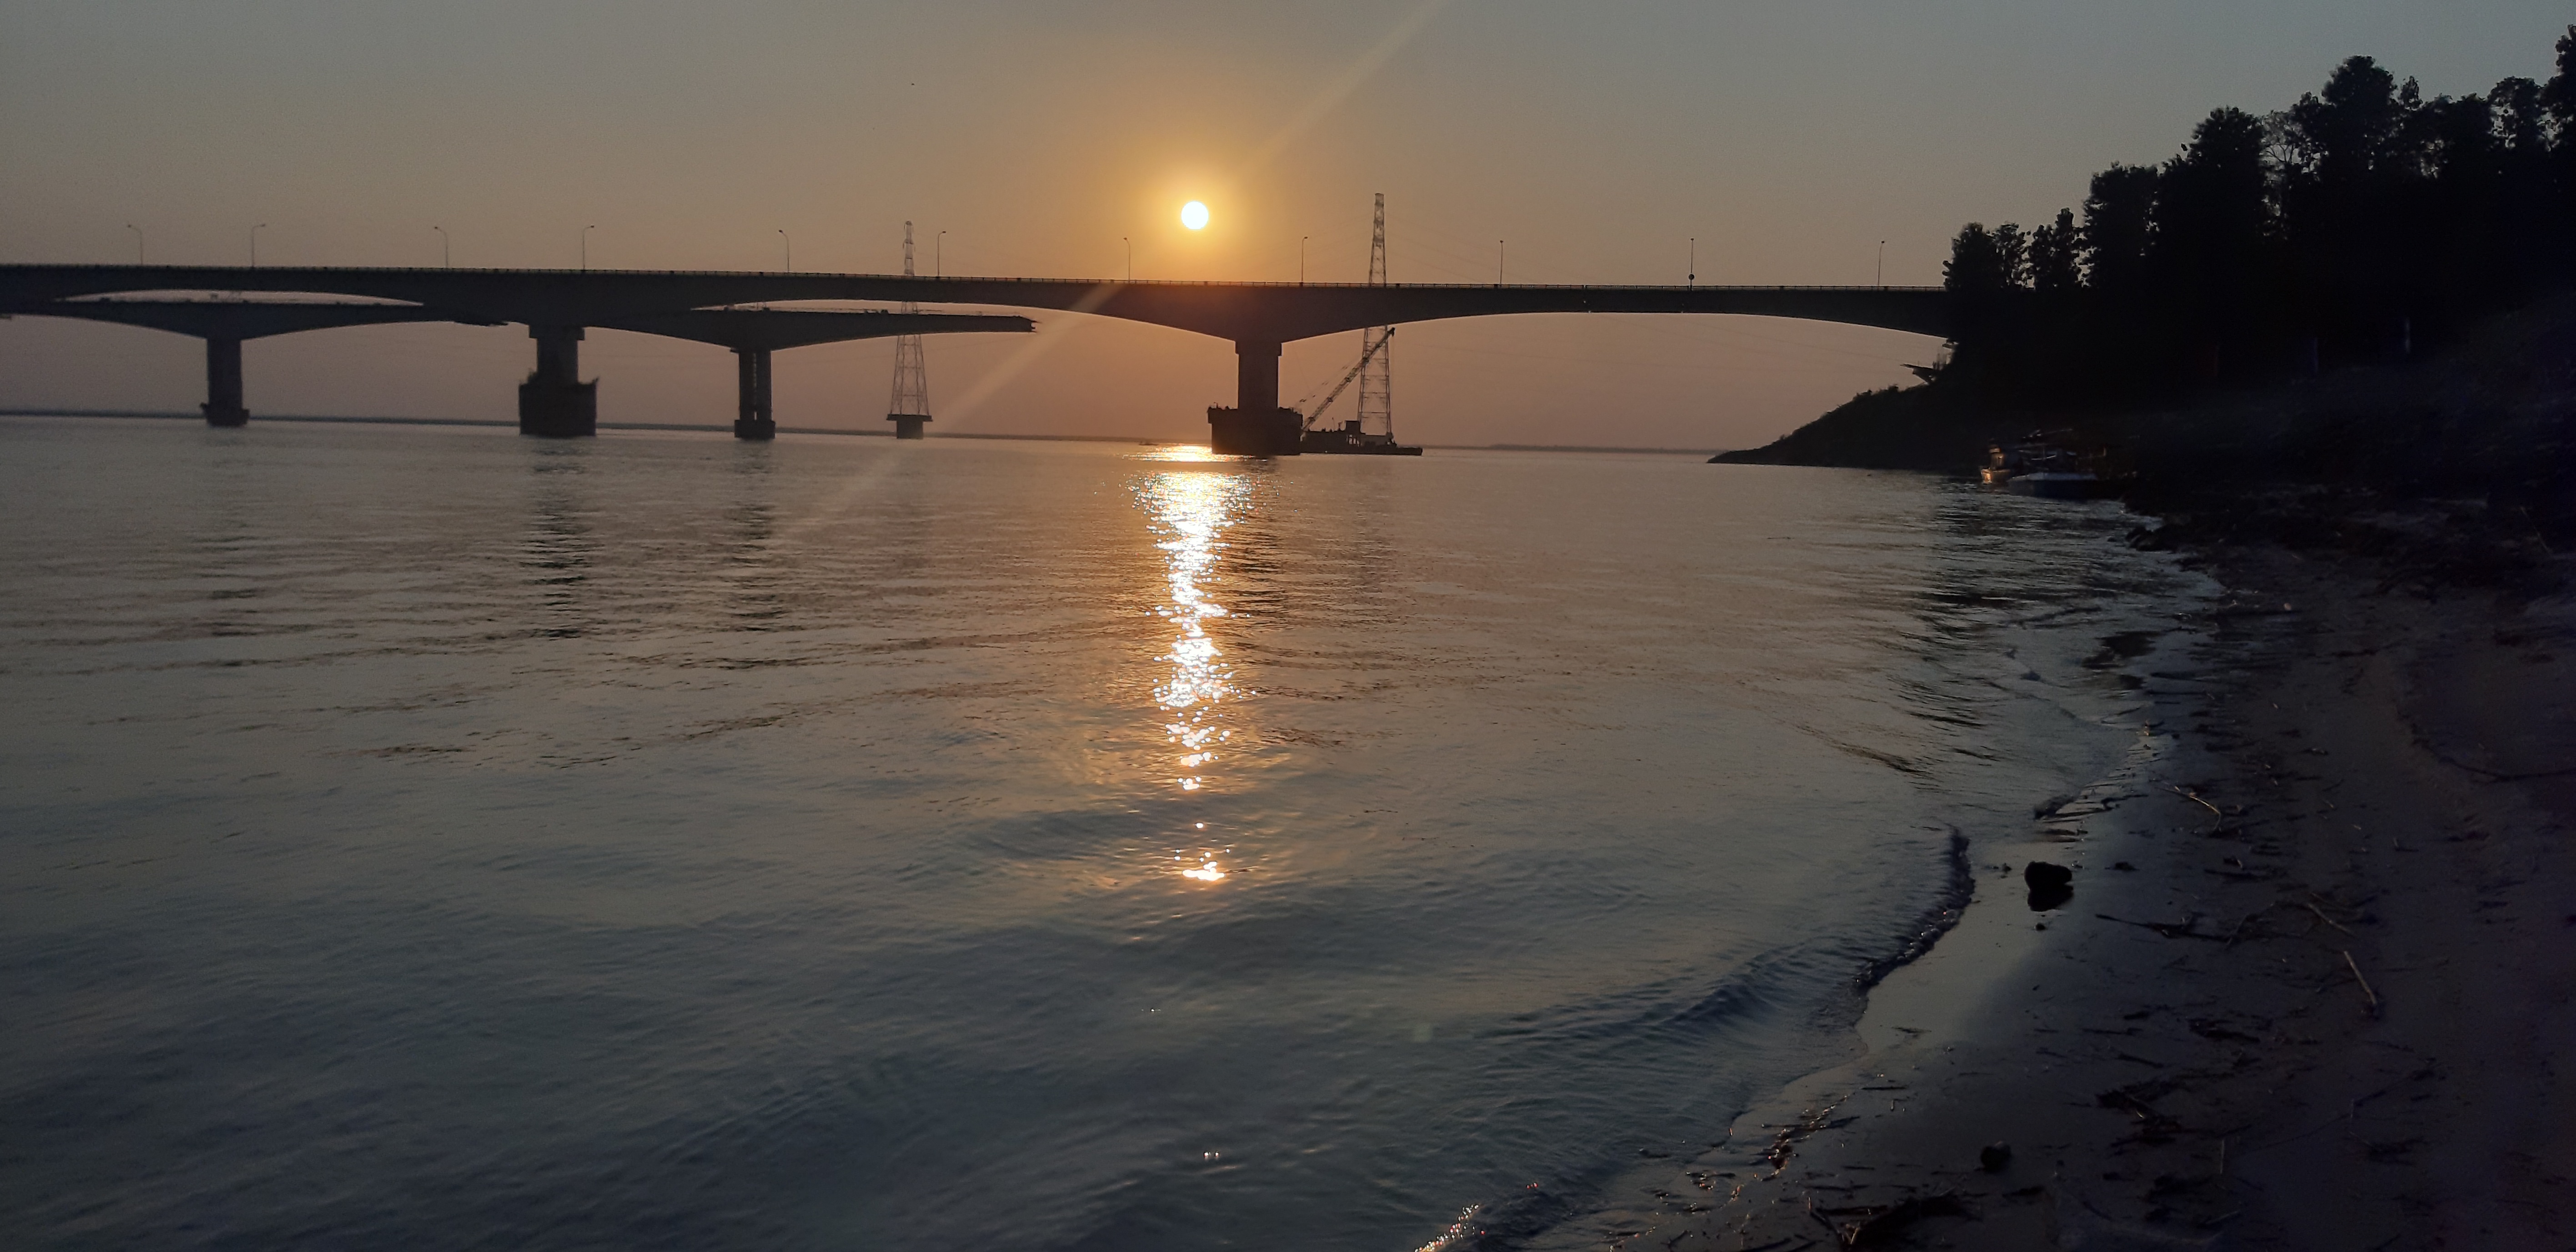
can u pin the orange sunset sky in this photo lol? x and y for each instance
(1789, 139)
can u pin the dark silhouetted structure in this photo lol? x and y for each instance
(224, 324)
(1256, 317)
(554, 401)
(909, 407)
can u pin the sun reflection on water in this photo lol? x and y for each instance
(1189, 510)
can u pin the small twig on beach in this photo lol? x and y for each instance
(2366, 992)
(2194, 797)
(1785, 1143)
(2321, 916)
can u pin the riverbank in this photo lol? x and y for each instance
(2305, 994)
(2321, 946)
(2484, 424)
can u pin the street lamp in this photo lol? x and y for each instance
(1693, 279)
(1301, 259)
(787, 250)
(1131, 257)
(444, 262)
(138, 242)
(1882, 262)
(254, 244)
(1498, 262)
(939, 255)
(585, 247)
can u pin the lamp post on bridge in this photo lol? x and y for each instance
(1498, 262)
(939, 255)
(444, 261)
(1131, 257)
(585, 247)
(1882, 262)
(1691, 278)
(787, 250)
(1301, 259)
(138, 242)
(254, 244)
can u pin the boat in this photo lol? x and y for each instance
(2041, 466)
(2063, 485)
(1348, 440)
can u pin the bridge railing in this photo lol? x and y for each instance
(273, 270)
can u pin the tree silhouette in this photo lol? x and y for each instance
(2055, 254)
(2208, 245)
(1979, 264)
(2343, 134)
(2559, 97)
(2521, 122)
(2362, 218)
(2116, 218)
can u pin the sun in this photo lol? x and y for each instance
(1194, 215)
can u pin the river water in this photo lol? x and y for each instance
(429, 838)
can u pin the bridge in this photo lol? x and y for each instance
(1256, 317)
(554, 400)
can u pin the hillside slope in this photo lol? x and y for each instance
(2488, 426)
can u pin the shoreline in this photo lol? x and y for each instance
(2315, 1011)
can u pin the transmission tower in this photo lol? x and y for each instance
(911, 404)
(1377, 399)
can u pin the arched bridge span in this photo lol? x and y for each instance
(1256, 317)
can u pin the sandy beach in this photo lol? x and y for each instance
(2308, 991)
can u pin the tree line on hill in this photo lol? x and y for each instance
(2359, 224)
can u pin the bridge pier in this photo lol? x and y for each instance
(907, 425)
(1256, 425)
(223, 406)
(554, 402)
(752, 418)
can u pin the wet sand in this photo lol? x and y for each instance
(2312, 989)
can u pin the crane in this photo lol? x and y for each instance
(1339, 387)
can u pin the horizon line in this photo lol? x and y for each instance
(724, 428)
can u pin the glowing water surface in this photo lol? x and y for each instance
(1190, 510)
(435, 839)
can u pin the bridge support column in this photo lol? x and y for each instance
(1256, 425)
(908, 425)
(752, 419)
(225, 382)
(223, 406)
(554, 402)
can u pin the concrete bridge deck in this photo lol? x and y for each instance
(560, 403)
(1257, 317)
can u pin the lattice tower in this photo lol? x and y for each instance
(911, 369)
(1377, 394)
